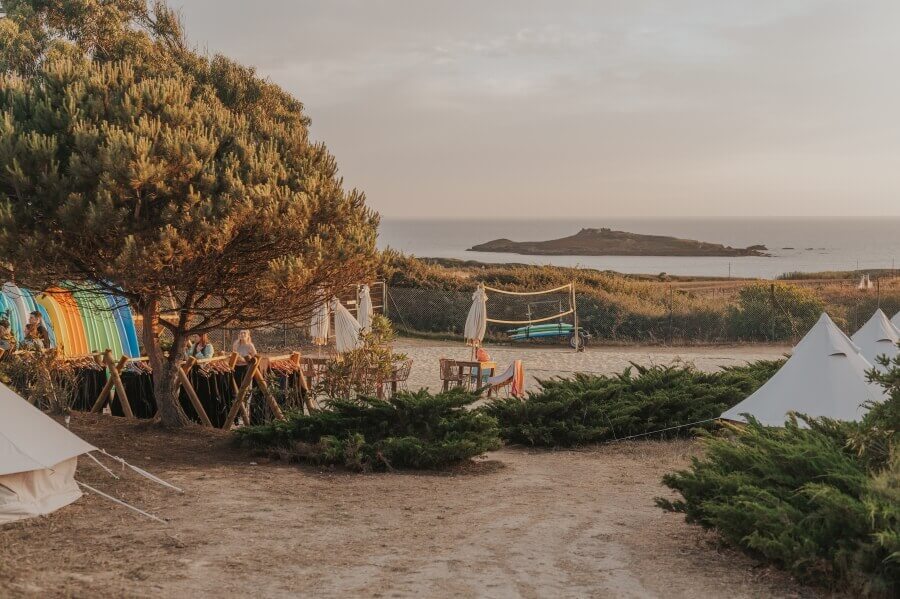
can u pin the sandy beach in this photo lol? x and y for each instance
(546, 361)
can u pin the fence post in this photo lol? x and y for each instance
(773, 314)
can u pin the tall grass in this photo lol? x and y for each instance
(616, 307)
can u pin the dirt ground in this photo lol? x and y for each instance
(519, 523)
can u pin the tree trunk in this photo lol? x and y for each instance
(165, 375)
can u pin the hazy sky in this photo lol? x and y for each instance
(588, 108)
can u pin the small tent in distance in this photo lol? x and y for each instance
(825, 376)
(878, 337)
(38, 457)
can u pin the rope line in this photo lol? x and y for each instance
(560, 288)
(120, 502)
(532, 321)
(662, 430)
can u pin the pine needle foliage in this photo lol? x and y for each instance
(589, 409)
(817, 497)
(411, 430)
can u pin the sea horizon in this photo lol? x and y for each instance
(795, 244)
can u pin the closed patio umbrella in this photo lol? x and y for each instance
(346, 328)
(364, 308)
(320, 324)
(476, 323)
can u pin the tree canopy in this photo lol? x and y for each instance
(186, 183)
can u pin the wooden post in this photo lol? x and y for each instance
(232, 363)
(270, 399)
(182, 374)
(107, 387)
(114, 370)
(252, 364)
(307, 397)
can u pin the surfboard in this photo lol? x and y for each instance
(109, 309)
(130, 329)
(123, 319)
(73, 320)
(8, 311)
(58, 320)
(14, 296)
(94, 341)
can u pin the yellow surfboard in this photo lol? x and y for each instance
(57, 321)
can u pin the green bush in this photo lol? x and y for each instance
(822, 501)
(589, 409)
(774, 312)
(411, 430)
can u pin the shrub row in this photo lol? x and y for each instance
(817, 497)
(410, 430)
(589, 409)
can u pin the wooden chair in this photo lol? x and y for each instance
(399, 376)
(451, 376)
(313, 369)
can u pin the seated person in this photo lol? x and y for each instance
(36, 336)
(199, 347)
(243, 345)
(7, 339)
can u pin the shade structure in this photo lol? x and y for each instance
(476, 322)
(38, 458)
(825, 376)
(896, 320)
(320, 324)
(346, 328)
(878, 337)
(364, 308)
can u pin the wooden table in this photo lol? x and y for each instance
(465, 370)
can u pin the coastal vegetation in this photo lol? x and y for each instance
(817, 497)
(636, 308)
(585, 409)
(417, 430)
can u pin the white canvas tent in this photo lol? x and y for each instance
(878, 337)
(825, 376)
(38, 458)
(896, 320)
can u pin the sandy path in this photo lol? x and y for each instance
(521, 523)
(544, 361)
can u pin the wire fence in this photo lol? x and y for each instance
(750, 312)
(714, 312)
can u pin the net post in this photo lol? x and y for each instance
(575, 318)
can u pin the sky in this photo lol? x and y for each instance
(569, 109)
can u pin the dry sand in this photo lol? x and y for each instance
(545, 361)
(519, 523)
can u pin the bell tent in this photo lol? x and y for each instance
(825, 376)
(878, 337)
(38, 458)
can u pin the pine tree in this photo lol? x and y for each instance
(187, 184)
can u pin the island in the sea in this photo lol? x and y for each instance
(606, 242)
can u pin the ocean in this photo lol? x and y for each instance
(795, 244)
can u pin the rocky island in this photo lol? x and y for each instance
(606, 242)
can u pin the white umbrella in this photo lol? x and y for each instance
(346, 328)
(320, 324)
(476, 323)
(364, 308)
